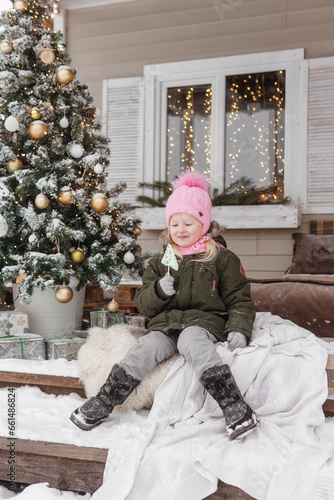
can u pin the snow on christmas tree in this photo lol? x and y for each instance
(57, 218)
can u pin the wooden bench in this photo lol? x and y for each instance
(70, 467)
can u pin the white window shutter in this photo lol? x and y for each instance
(320, 150)
(123, 101)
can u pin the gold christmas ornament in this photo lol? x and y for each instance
(64, 74)
(113, 306)
(35, 113)
(48, 24)
(38, 129)
(78, 256)
(13, 165)
(20, 5)
(20, 277)
(64, 294)
(47, 56)
(65, 196)
(137, 230)
(41, 201)
(99, 202)
(6, 46)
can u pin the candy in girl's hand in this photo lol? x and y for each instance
(169, 258)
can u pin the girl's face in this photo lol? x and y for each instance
(185, 229)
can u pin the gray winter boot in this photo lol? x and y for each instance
(221, 385)
(114, 391)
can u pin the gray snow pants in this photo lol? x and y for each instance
(195, 343)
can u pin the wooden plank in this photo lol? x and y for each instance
(328, 408)
(228, 492)
(51, 384)
(70, 467)
(65, 467)
(50, 449)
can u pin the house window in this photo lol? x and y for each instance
(233, 118)
(188, 130)
(255, 132)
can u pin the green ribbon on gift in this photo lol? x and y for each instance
(117, 321)
(102, 309)
(15, 337)
(69, 336)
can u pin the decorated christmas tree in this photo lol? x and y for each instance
(58, 220)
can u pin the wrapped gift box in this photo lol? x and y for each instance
(13, 323)
(105, 319)
(134, 319)
(83, 334)
(66, 347)
(24, 346)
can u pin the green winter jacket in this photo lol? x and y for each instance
(214, 295)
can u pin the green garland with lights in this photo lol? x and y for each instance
(241, 192)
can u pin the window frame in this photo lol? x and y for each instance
(158, 77)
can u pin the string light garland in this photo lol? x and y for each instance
(254, 131)
(189, 130)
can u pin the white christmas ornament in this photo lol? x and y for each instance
(11, 124)
(3, 226)
(32, 238)
(129, 258)
(64, 122)
(76, 150)
(98, 169)
(105, 220)
(3, 190)
(98, 113)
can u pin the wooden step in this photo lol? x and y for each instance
(63, 466)
(51, 384)
(69, 467)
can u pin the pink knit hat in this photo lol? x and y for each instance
(190, 196)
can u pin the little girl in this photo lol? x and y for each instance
(206, 300)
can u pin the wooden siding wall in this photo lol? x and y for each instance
(117, 40)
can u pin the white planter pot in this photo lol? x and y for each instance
(48, 317)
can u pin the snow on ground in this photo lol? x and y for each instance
(60, 367)
(45, 417)
(42, 491)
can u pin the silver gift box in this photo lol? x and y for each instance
(24, 346)
(67, 348)
(105, 319)
(134, 319)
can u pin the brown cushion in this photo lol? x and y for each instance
(312, 254)
(308, 304)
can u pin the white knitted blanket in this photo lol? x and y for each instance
(182, 449)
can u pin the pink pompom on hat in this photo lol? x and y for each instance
(190, 196)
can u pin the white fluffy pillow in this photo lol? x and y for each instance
(103, 349)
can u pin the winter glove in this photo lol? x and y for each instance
(167, 285)
(235, 340)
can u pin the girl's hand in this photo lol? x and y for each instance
(167, 285)
(235, 340)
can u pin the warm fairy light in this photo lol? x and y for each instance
(189, 130)
(254, 136)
